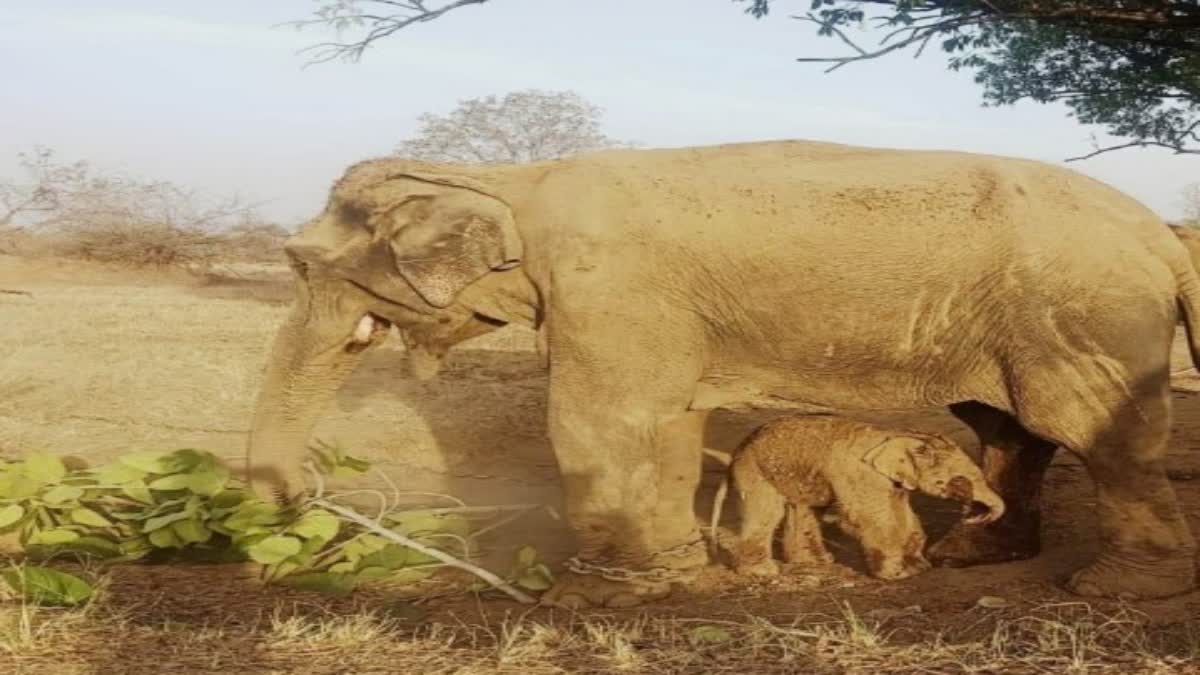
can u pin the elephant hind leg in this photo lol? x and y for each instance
(1014, 461)
(762, 508)
(1147, 548)
(1115, 415)
(802, 540)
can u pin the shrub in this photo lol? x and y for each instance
(144, 245)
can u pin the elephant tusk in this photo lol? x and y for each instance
(364, 329)
(368, 330)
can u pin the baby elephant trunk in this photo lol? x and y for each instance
(981, 505)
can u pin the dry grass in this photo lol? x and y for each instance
(1064, 638)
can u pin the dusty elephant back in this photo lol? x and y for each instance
(796, 448)
(919, 266)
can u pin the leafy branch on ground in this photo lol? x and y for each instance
(185, 505)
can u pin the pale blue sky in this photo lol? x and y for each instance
(207, 94)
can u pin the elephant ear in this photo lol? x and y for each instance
(892, 458)
(444, 242)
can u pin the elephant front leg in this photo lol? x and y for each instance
(1014, 463)
(630, 478)
(891, 536)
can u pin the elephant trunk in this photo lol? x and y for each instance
(981, 504)
(313, 354)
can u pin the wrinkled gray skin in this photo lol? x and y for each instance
(1038, 304)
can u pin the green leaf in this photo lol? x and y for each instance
(536, 578)
(227, 499)
(138, 493)
(133, 549)
(390, 557)
(11, 515)
(53, 537)
(118, 474)
(88, 546)
(179, 481)
(17, 485)
(44, 468)
(147, 462)
(526, 557)
(423, 522)
(191, 531)
(323, 582)
(363, 546)
(62, 494)
(99, 547)
(44, 586)
(164, 538)
(316, 523)
(410, 575)
(86, 516)
(342, 567)
(253, 513)
(159, 522)
(209, 483)
(374, 572)
(274, 549)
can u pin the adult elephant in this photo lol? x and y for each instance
(1036, 303)
(1190, 236)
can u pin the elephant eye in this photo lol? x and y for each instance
(352, 214)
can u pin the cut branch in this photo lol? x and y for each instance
(513, 592)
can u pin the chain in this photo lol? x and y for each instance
(652, 575)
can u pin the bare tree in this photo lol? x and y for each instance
(114, 218)
(522, 126)
(46, 186)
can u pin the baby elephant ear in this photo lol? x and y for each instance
(892, 459)
(451, 241)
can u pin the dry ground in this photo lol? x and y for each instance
(98, 363)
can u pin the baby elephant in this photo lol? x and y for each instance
(792, 465)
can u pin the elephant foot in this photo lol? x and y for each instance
(901, 568)
(757, 568)
(1111, 576)
(595, 584)
(580, 591)
(966, 545)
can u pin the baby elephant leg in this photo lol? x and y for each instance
(802, 541)
(892, 539)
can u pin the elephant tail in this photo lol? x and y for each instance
(718, 501)
(1181, 252)
(1189, 305)
(1188, 298)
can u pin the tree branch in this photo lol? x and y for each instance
(444, 557)
(1135, 144)
(380, 25)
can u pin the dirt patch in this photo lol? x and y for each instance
(101, 362)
